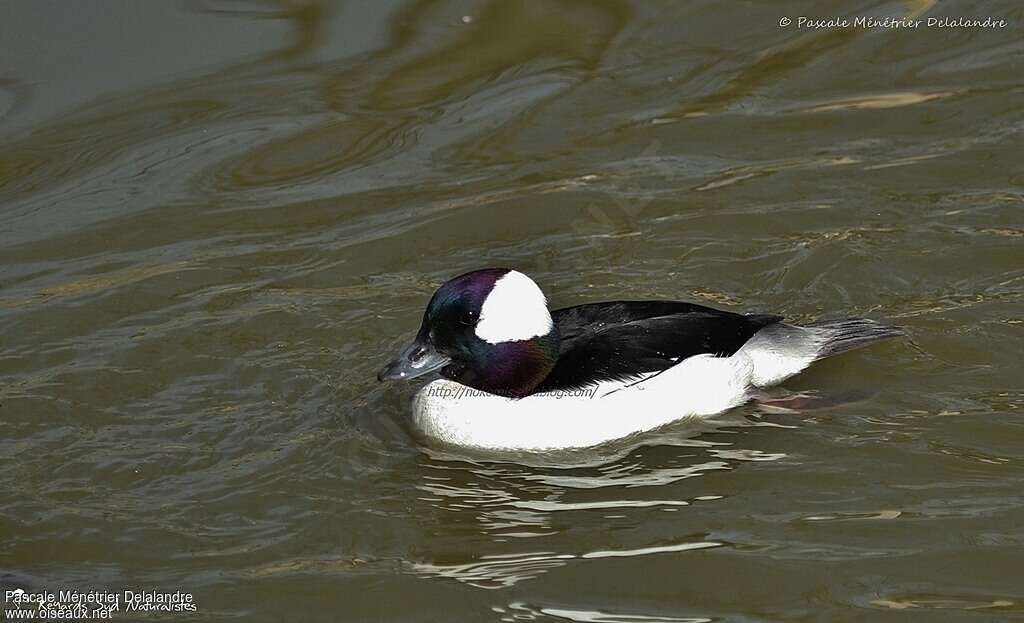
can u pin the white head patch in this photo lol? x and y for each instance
(515, 310)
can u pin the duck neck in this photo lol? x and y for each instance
(513, 369)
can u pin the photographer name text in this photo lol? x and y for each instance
(84, 605)
(894, 23)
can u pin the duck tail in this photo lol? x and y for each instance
(839, 336)
(781, 350)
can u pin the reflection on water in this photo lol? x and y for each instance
(504, 571)
(508, 501)
(951, 602)
(207, 250)
(524, 612)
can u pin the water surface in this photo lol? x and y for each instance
(220, 218)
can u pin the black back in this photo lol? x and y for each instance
(622, 339)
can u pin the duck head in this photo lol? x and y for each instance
(488, 329)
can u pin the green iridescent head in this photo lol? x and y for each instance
(488, 329)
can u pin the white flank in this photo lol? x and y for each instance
(514, 310)
(700, 386)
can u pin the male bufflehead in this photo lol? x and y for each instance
(518, 377)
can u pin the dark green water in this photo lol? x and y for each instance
(218, 219)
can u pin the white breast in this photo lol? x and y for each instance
(700, 386)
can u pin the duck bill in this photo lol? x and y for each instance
(416, 359)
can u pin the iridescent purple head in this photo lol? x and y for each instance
(489, 329)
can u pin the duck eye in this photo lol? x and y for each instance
(467, 318)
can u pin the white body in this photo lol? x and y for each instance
(700, 386)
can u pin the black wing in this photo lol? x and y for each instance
(622, 339)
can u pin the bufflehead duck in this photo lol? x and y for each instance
(516, 376)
